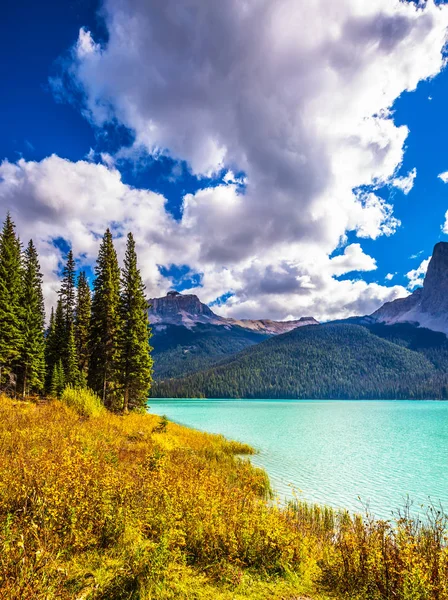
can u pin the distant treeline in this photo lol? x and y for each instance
(341, 361)
(100, 340)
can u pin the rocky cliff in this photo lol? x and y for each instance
(188, 310)
(427, 306)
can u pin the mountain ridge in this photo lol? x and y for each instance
(187, 310)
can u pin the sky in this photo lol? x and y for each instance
(278, 158)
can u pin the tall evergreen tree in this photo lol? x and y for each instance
(10, 293)
(56, 342)
(50, 351)
(135, 361)
(67, 296)
(82, 324)
(57, 380)
(105, 323)
(72, 375)
(67, 292)
(32, 359)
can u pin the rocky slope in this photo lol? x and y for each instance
(188, 310)
(427, 306)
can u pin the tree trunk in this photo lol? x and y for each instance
(24, 382)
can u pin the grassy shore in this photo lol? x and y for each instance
(131, 507)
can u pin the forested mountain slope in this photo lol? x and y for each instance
(336, 360)
(179, 350)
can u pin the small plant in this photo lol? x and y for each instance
(83, 401)
(162, 425)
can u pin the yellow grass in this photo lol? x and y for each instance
(126, 507)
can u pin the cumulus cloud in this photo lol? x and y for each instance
(297, 97)
(406, 183)
(444, 177)
(56, 198)
(417, 276)
(390, 276)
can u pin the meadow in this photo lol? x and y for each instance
(95, 505)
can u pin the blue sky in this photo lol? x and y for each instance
(35, 123)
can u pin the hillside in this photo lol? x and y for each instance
(188, 336)
(180, 350)
(329, 361)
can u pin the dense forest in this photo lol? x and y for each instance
(179, 351)
(328, 361)
(98, 340)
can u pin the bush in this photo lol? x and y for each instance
(85, 402)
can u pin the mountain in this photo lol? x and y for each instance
(329, 361)
(180, 350)
(188, 336)
(427, 306)
(188, 310)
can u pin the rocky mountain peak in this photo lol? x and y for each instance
(187, 310)
(177, 308)
(427, 306)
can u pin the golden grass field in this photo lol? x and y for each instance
(129, 507)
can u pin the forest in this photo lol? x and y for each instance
(334, 360)
(99, 340)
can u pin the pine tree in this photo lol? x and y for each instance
(135, 361)
(72, 375)
(105, 324)
(55, 342)
(50, 352)
(10, 292)
(32, 358)
(67, 292)
(82, 324)
(57, 380)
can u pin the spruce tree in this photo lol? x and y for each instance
(67, 292)
(55, 343)
(50, 351)
(82, 324)
(32, 358)
(105, 324)
(135, 361)
(10, 291)
(72, 375)
(57, 380)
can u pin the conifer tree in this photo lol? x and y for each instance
(67, 292)
(32, 358)
(50, 351)
(105, 324)
(57, 380)
(72, 375)
(82, 324)
(10, 292)
(56, 342)
(135, 361)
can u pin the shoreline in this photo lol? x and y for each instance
(121, 506)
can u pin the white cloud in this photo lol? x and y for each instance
(353, 259)
(405, 184)
(417, 276)
(444, 177)
(445, 224)
(297, 97)
(390, 276)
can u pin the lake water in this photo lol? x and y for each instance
(335, 452)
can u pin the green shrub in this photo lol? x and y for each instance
(83, 401)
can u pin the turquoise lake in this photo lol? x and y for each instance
(341, 453)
